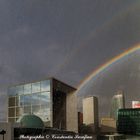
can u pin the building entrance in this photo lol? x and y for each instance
(59, 110)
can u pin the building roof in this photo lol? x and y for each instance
(39, 80)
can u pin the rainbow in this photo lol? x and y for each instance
(107, 64)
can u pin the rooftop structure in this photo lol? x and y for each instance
(108, 125)
(30, 121)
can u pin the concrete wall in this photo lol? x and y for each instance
(71, 112)
(90, 111)
(9, 131)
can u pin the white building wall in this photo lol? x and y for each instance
(71, 112)
(90, 111)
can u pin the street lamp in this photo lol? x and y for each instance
(2, 132)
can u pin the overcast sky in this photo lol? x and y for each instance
(67, 39)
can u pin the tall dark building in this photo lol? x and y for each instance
(128, 121)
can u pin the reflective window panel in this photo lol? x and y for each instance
(27, 109)
(11, 119)
(35, 87)
(17, 98)
(21, 100)
(36, 110)
(45, 85)
(36, 99)
(44, 97)
(11, 101)
(27, 99)
(45, 114)
(11, 112)
(19, 111)
(27, 89)
(12, 91)
(19, 89)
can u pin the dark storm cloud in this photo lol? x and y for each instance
(37, 37)
(116, 35)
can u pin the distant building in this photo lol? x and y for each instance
(52, 100)
(90, 112)
(108, 125)
(128, 121)
(80, 119)
(117, 102)
(135, 104)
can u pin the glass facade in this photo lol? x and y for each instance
(32, 98)
(118, 102)
(128, 121)
(46, 99)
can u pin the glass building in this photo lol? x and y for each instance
(117, 102)
(48, 99)
(128, 121)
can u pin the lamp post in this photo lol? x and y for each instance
(2, 132)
